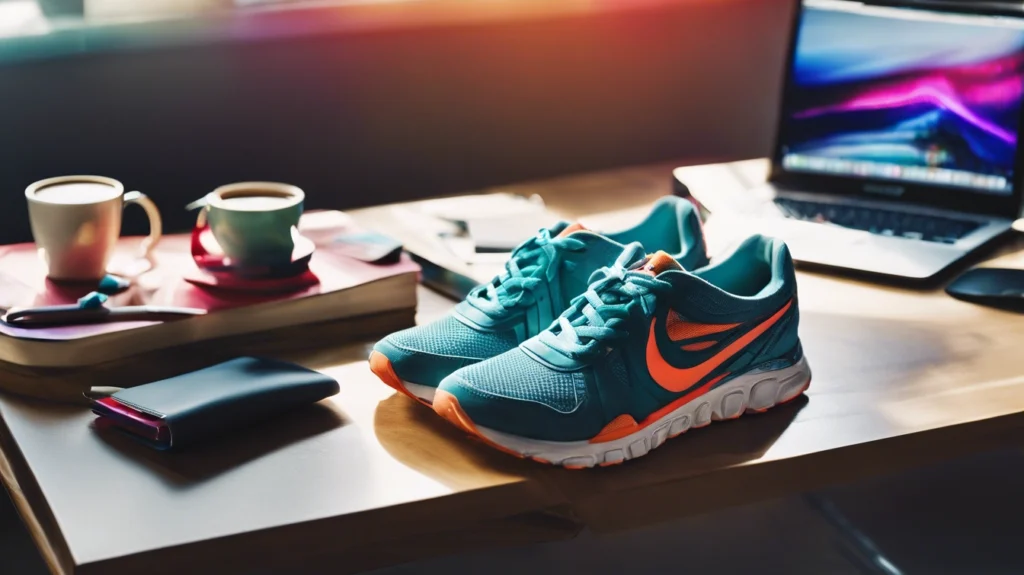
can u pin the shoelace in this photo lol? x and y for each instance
(599, 313)
(515, 287)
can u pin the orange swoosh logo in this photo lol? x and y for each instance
(680, 379)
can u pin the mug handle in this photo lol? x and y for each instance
(155, 223)
(199, 251)
(203, 257)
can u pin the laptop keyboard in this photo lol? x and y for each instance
(879, 221)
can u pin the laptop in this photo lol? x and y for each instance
(897, 146)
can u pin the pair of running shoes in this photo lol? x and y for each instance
(593, 349)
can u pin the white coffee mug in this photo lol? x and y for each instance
(76, 221)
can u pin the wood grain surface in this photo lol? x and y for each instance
(901, 377)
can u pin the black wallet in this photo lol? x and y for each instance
(192, 407)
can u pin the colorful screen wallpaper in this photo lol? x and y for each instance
(928, 98)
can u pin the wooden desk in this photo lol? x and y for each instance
(367, 479)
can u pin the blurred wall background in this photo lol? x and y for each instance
(372, 117)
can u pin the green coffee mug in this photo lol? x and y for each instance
(254, 222)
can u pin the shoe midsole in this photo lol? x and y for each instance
(424, 392)
(749, 391)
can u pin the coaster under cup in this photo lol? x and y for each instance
(218, 271)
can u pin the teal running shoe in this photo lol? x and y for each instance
(646, 353)
(540, 279)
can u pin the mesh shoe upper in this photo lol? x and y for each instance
(542, 276)
(612, 353)
(516, 376)
(426, 354)
(449, 336)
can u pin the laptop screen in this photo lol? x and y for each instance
(904, 95)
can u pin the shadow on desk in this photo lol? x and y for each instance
(416, 436)
(204, 461)
(669, 479)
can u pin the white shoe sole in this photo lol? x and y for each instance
(747, 393)
(424, 392)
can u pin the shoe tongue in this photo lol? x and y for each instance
(571, 229)
(660, 262)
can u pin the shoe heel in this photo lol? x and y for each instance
(775, 387)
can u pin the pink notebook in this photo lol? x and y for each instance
(336, 287)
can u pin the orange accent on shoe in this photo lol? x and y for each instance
(682, 401)
(571, 229)
(660, 262)
(622, 430)
(619, 427)
(699, 346)
(679, 379)
(380, 365)
(680, 329)
(447, 406)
